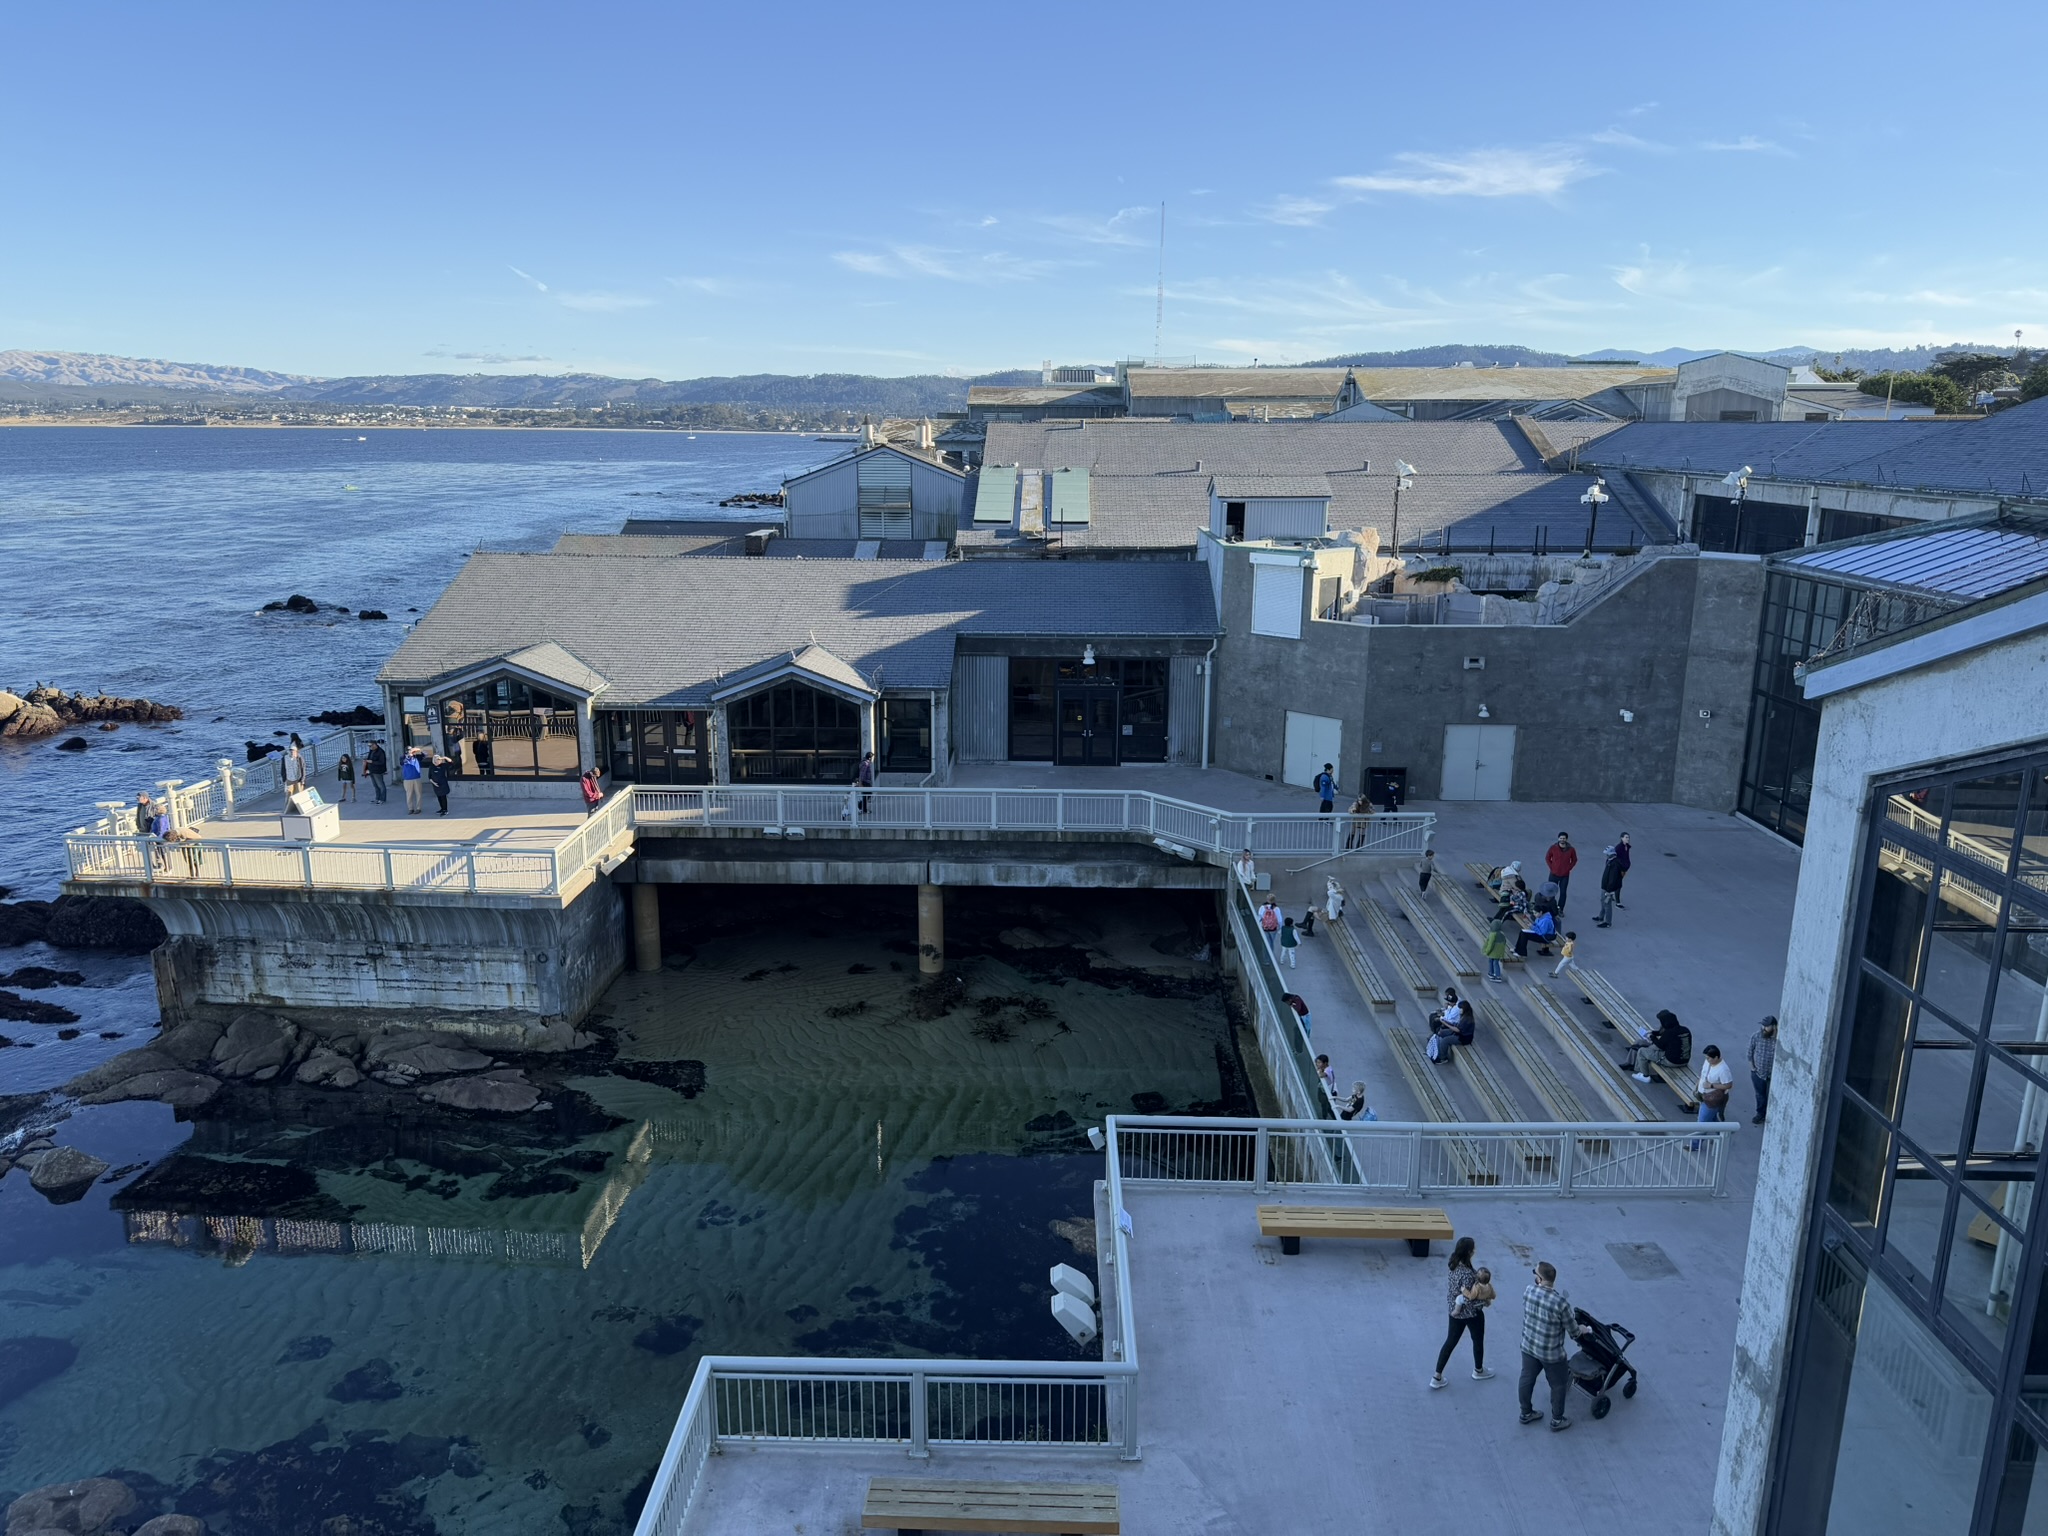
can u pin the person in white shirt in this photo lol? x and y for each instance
(1328, 1074)
(1333, 899)
(1247, 869)
(1717, 1081)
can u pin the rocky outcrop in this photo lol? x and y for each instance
(148, 1073)
(83, 1508)
(360, 714)
(45, 711)
(118, 923)
(63, 1174)
(502, 1092)
(29, 1010)
(172, 1525)
(298, 602)
(23, 922)
(37, 977)
(327, 1068)
(373, 614)
(259, 1047)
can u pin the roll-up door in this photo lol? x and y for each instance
(1276, 600)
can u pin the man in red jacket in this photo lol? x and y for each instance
(1561, 858)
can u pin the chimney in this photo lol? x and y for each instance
(924, 434)
(1045, 372)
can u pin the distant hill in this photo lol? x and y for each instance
(92, 370)
(1446, 357)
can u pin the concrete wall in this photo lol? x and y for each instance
(505, 969)
(1986, 701)
(1563, 686)
(1674, 492)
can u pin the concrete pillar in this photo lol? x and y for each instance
(646, 927)
(931, 929)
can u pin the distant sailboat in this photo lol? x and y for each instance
(362, 439)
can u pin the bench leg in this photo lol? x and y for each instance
(1290, 1245)
(1419, 1246)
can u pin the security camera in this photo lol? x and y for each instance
(1628, 717)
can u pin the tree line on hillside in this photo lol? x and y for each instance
(1954, 381)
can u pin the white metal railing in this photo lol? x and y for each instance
(1282, 1041)
(1425, 1160)
(110, 851)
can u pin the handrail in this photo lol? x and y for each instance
(107, 852)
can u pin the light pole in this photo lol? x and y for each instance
(1595, 494)
(1737, 481)
(1404, 480)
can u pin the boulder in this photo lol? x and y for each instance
(118, 923)
(83, 1508)
(298, 602)
(503, 1092)
(64, 1174)
(143, 1074)
(33, 720)
(172, 1525)
(373, 614)
(73, 744)
(258, 1046)
(11, 704)
(24, 922)
(327, 1069)
(437, 1060)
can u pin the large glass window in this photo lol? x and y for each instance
(1032, 720)
(1141, 721)
(1926, 1257)
(508, 728)
(657, 746)
(794, 734)
(906, 736)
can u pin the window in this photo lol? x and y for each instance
(657, 746)
(1031, 709)
(506, 727)
(1926, 1259)
(1144, 712)
(1276, 600)
(906, 736)
(793, 733)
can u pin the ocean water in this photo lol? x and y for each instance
(292, 1307)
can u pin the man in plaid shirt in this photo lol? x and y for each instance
(1548, 1323)
(1763, 1056)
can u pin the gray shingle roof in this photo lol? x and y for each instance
(665, 632)
(1149, 480)
(1252, 487)
(2006, 454)
(1976, 561)
(733, 544)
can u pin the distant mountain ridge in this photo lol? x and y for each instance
(95, 370)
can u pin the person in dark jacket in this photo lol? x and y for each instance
(480, 749)
(437, 775)
(375, 766)
(1561, 858)
(1612, 873)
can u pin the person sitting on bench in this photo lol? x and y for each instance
(1543, 929)
(1353, 1107)
(1667, 1042)
(1455, 1017)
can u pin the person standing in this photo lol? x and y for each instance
(294, 768)
(1548, 1322)
(1763, 1055)
(345, 778)
(1326, 1075)
(410, 773)
(1390, 795)
(1290, 941)
(1269, 925)
(1717, 1082)
(865, 778)
(593, 792)
(1561, 858)
(437, 775)
(1564, 959)
(1495, 949)
(1247, 869)
(1326, 788)
(1425, 868)
(1612, 873)
(480, 749)
(375, 766)
(1468, 1315)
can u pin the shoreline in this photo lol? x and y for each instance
(451, 426)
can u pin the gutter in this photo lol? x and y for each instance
(1208, 681)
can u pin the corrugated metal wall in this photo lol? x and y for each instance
(981, 709)
(1184, 710)
(1274, 518)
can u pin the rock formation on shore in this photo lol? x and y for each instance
(360, 714)
(82, 922)
(44, 711)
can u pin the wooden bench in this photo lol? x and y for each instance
(1455, 955)
(1421, 1074)
(1549, 1085)
(1594, 1055)
(1363, 972)
(1466, 911)
(912, 1505)
(1629, 1021)
(1396, 947)
(1291, 1223)
(1483, 874)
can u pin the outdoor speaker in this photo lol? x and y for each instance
(1096, 1139)
(1069, 1281)
(1077, 1318)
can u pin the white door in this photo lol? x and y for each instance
(1312, 740)
(1479, 762)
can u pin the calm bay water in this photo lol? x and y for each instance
(293, 1308)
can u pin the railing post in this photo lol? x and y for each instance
(1261, 1160)
(780, 819)
(1059, 813)
(1415, 1165)
(1337, 832)
(306, 863)
(469, 861)
(1130, 1426)
(928, 809)
(1567, 1155)
(227, 864)
(1721, 1166)
(390, 878)
(920, 1425)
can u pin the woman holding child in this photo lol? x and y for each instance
(1471, 1291)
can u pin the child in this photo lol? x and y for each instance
(1571, 942)
(1307, 925)
(1289, 941)
(1328, 1074)
(1495, 949)
(345, 778)
(1425, 868)
(1481, 1292)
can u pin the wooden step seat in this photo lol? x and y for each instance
(1628, 1019)
(1594, 1054)
(1291, 1223)
(912, 1505)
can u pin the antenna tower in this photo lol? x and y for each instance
(1159, 307)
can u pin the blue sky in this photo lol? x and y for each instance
(676, 191)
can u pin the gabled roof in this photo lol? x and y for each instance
(559, 664)
(1255, 487)
(908, 455)
(813, 664)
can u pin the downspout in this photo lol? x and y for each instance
(1208, 680)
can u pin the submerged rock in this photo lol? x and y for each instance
(503, 1092)
(172, 1525)
(374, 1382)
(73, 744)
(64, 1174)
(258, 1046)
(29, 1010)
(83, 1508)
(37, 977)
(147, 1073)
(27, 1362)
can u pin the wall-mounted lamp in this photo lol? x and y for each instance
(1087, 655)
(1485, 713)
(1706, 714)
(1628, 717)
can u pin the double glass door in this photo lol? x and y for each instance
(1088, 727)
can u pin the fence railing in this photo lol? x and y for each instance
(1282, 1041)
(109, 850)
(1425, 1160)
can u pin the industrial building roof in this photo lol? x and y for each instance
(1503, 383)
(1233, 383)
(1969, 562)
(735, 544)
(2005, 454)
(1149, 480)
(1253, 487)
(998, 396)
(669, 633)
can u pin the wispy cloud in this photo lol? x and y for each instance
(1677, 280)
(1127, 226)
(1298, 211)
(1480, 173)
(488, 357)
(1748, 144)
(543, 287)
(712, 285)
(600, 303)
(1620, 138)
(952, 266)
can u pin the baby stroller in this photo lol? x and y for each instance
(1602, 1361)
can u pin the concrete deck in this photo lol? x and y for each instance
(504, 820)
(1291, 1394)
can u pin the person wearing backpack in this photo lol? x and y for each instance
(410, 774)
(1326, 788)
(1269, 925)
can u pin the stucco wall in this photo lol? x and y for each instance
(1562, 686)
(1989, 700)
